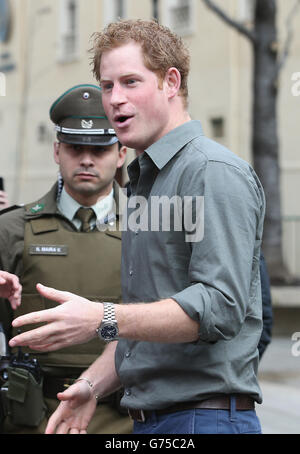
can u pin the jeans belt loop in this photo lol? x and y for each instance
(233, 416)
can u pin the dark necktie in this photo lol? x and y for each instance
(85, 215)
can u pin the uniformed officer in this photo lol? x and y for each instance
(59, 240)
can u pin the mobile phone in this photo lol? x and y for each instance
(1, 184)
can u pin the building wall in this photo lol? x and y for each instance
(36, 73)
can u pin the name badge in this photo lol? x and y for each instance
(48, 249)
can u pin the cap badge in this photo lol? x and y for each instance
(87, 124)
(86, 95)
(38, 207)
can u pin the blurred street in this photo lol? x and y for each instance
(279, 377)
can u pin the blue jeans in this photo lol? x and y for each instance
(199, 421)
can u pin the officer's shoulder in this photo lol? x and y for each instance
(12, 213)
(11, 227)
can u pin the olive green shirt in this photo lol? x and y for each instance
(214, 278)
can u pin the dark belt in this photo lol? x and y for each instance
(54, 385)
(242, 402)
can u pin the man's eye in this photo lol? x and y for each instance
(77, 148)
(98, 151)
(106, 87)
(70, 147)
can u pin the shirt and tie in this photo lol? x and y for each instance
(84, 218)
(85, 215)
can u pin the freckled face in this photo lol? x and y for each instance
(134, 104)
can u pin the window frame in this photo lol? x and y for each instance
(189, 29)
(66, 31)
(110, 12)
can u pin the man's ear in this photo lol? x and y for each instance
(172, 82)
(56, 152)
(122, 156)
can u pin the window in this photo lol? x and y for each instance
(114, 10)
(180, 16)
(43, 134)
(5, 20)
(120, 8)
(69, 30)
(218, 127)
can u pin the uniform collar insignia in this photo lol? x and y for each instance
(37, 208)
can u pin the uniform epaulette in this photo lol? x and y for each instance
(11, 208)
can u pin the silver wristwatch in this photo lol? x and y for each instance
(108, 329)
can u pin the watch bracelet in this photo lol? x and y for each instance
(109, 312)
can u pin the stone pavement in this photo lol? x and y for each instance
(279, 378)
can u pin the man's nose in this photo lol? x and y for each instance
(117, 95)
(86, 159)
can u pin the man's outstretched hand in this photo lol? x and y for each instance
(73, 321)
(75, 411)
(10, 288)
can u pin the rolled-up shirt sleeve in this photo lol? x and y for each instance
(224, 264)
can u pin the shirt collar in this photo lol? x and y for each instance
(68, 206)
(162, 151)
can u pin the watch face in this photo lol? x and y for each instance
(109, 332)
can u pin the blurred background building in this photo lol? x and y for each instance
(44, 50)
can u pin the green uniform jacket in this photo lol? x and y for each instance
(38, 244)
